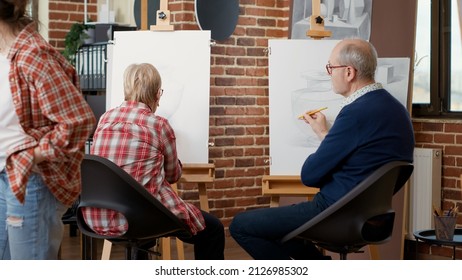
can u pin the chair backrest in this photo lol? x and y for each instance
(106, 185)
(363, 216)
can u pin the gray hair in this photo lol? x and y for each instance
(361, 55)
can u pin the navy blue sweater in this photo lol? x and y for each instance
(371, 131)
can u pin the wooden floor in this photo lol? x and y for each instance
(70, 249)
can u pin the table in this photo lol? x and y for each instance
(428, 236)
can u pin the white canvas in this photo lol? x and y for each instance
(298, 82)
(183, 61)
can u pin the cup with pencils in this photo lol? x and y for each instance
(445, 223)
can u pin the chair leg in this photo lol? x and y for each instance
(73, 230)
(129, 253)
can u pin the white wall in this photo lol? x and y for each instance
(43, 18)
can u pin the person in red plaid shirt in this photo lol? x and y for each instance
(143, 144)
(44, 123)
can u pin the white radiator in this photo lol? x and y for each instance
(425, 189)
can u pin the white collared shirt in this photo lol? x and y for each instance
(360, 92)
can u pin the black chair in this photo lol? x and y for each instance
(363, 216)
(106, 185)
(70, 218)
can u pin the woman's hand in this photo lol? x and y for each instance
(38, 157)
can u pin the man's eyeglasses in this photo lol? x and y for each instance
(329, 67)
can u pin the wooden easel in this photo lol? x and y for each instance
(163, 17)
(285, 185)
(317, 30)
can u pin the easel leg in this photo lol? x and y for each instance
(374, 251)
(274, 201)
(165, 248)
(203, 199)
(179, 248)
(107, 246)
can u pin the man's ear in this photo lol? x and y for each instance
(351, 74)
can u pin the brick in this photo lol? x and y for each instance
(245, 101)
(444, 138)
(244, 20)
(245, 61)
(235, 152)
(256, 52)
(219, 81)
(217, 111)
(224, 141)
(253, 152)
(249, 42)
(235, 71)
(253, 11)
(226, 100)
(448, 127)
(453, 150)
(225, 121)
(266, 3)
(244, 142)
(257, 32)
(423, 137)
(432, 127)
(234, 131)
(235, 51)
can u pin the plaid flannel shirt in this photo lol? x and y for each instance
(143, 144)
(51, 109)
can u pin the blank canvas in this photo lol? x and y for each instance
(183, 61)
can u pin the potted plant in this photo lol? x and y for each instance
(74, 40)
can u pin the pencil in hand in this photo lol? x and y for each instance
(312, 112)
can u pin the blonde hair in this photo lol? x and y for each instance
(141, 83)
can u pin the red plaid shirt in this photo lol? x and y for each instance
(143, 144)
(52, 110)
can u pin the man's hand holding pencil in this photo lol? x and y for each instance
(317, 122)
(312, 112)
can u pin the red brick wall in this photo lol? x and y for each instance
(63, 13)
(447, 136)
(239, 105)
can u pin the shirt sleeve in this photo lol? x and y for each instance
(61, 102)
(172, 165)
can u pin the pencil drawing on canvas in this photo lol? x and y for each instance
(345, 18)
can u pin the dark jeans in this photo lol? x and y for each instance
(209, 244)
(259, 231)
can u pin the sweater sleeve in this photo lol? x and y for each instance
(336, 147)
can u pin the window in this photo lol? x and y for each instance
(437, 87)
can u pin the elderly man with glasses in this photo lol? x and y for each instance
(372, 129)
